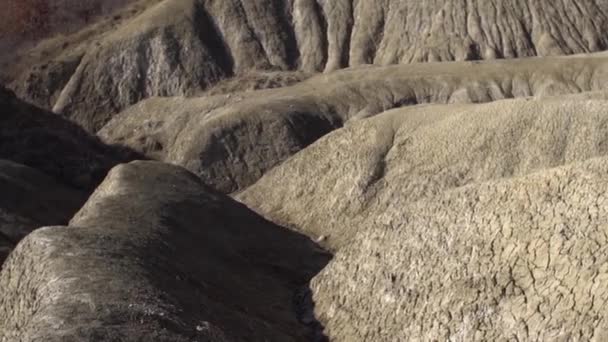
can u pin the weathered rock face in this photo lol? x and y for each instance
(156, 255)
(30, 199)
(53, 145)
(180, 46)
(42, 84)
(229, 141)
(232, 140)
(463, 222)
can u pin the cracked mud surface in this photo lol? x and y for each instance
(455, 222)
(521, 259)
(398, 170)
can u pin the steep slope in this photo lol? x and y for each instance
(155, 255)
(53, 145)
(30, 199)
(455, 222)
(48, 165)
(232, 140)
(180, 46)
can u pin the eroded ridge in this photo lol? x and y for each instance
(156, 255)
(178, 47)
(231, 140)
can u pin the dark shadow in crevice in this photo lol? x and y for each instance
(304, 307)
(211, 35)
(214, 253)
(285, 18)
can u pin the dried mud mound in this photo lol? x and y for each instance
(232, 140)
(156, 255)
(459, 222)
(178, 47)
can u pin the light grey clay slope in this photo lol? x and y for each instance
(232, 140)
(452, 154)
(422, 151)
(516, 259)
(455, 222)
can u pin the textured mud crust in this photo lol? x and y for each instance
(455, 222)
(521, 259)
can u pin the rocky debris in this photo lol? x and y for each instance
(54, 145)
(455, 222)
(30, 199)
(156, 255)
(232, 140)
(179, 47)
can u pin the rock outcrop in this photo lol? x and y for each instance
(156, 255)
(178, 47)
(455, 222)
(172, 49)
(232, 140)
